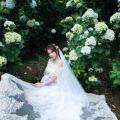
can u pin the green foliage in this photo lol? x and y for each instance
(32, 25)
(115, 73)
(88, 45)
(34, 21)
(105, 8)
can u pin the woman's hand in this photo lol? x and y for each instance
(39, 84)
(52, 79)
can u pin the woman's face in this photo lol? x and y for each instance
(52, 54)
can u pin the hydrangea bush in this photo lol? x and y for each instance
(10, 45)
(88, 45)
(115, 20)
(21, 17)
(115, 72)
(16, 23)
(29, 23)
(3, 61)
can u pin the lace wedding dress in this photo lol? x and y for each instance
(21, 100)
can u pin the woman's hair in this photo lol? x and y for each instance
(52, 47)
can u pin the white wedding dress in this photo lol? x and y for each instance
(22, 101)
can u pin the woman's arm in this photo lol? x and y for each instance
(52, 79)
(53, 76)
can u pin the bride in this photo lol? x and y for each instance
(58, 96)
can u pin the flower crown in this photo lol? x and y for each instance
(55, 46)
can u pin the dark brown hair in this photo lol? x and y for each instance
(52, 47)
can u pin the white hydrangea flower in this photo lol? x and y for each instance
(77, 28)
(90, 13)
(12, 37)
(86, 33)
(78, 18)
(93, 79)
(33, 4)
(95, 21)
(69, 35)
(67, 19)
(31, 23)
(100, 70)
(53, 31)
(8, 24)
(90, 29)
(109, 35)
(23, 18)
(69, 4)
(86, 50)
(82, 37)
(10, 4)
(73, 55)
(115, 17)
(3, 3)
(99, 43)
(100, 27)
(66, 55)
(77, 1)
(90, 41)
(37, 23)
(78, 5)
(3, 61)
(65, 49)
(90, 69)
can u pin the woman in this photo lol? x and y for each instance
(59, 96)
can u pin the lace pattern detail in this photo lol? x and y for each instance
(51, 70)
(7, 87)
(51, 104)
(12, 117)
(9, 105)
(97, 109)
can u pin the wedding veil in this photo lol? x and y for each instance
(69, 82)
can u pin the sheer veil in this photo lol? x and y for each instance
(69, 82)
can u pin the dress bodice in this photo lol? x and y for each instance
(51, 69)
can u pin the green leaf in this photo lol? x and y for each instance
(116, 82)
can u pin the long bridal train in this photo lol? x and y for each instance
(17, 103)
(64, 99)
